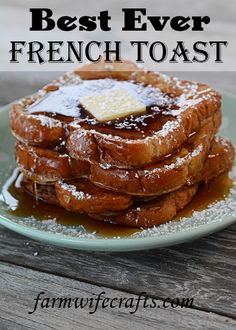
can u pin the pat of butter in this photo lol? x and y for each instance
(115, 104)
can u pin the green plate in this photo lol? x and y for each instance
(216, 217)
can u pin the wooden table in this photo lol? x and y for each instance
(203, 270)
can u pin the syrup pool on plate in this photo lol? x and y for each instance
(23, 205)
(208, 193)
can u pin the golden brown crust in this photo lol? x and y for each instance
(47, 166)
(219, 159)
(138, 171)
(165, 176)
(83, 197)
(153, 213)
(197, 102)
(36, 129)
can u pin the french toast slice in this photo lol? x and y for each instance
(179, 108)
(82, 197)
(153, 213)
(46, 166)
(165, 176)
(79, 196)
(192, 103)
(44, 130)
(36, 130)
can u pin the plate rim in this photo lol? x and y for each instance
(118, 244)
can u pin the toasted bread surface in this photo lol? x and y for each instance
(165, 176)
(183, 106)
(165, 207)
(155, 212)
(45, 166)
(83, 197)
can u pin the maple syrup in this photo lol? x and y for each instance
(208, 193)
(64, 104)
(23, 205)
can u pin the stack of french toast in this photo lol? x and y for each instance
(119, 143)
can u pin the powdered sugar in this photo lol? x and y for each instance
(68, 100)
(47, 121)
(197, 151)
(168, 128)
(73, 190)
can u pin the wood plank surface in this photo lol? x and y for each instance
(203, 269)
(18, 300)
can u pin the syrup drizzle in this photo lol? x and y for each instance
(64, 104)
(36, 193)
